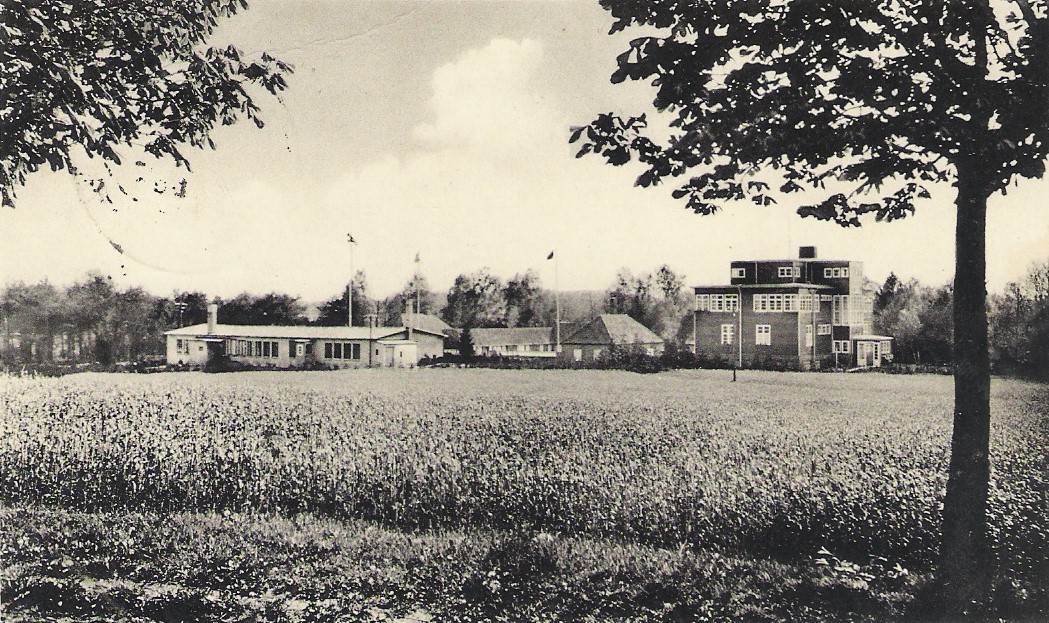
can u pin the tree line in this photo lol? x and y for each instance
(93, 321)
(920, 319)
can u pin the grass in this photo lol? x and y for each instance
(479, 494)
(215, 566)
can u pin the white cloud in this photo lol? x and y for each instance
(490, 100)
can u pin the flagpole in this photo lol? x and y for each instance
(416, 284)
(557, 308)
(349, 288)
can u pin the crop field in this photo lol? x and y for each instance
(784, 467)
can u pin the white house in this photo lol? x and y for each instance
(299, 346)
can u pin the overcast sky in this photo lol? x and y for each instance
(440, 128)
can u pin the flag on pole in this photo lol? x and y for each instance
(349, 238)
(416, 258)
(551, 256)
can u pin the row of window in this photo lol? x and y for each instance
(775, 302)
(253, 348)
(514, 348)
(338, 350)
(182, 347)
(842, 346)
(717, 302)
(763, 335)
(794, 272)
(763, 302)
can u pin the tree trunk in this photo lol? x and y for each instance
(966, 561)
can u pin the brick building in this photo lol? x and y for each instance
(804, 313)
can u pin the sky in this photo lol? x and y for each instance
(440, 129)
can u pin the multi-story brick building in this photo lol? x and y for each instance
(804, 313)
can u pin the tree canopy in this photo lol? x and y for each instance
(87, 78)
(862, 103)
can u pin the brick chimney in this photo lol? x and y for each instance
(807, 253)
(213, 317)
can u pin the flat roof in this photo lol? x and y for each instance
(758, 286)
(292, 332)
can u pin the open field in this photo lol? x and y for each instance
(778, 467)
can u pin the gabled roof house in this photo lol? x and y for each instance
(608, 332)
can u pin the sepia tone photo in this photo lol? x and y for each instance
(536, 310)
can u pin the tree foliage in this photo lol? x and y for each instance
(88, 321)
(1020, 323)
(476, 300)
(333, 311)
(526, 304)
(655, 300)
(865, 104)
(269, 309)
(918, 317)
(88, 78)
(415, 291)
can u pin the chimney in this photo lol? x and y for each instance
(807, 253)
(213, 317)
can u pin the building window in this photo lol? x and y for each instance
(840, 313)
(728, 332)
(786, 271)
(809, 302)
(808, 336)
(823, 329)
(739, 273)
(265, 349)
(842, 346)
(274, 349)
(258, 348)
(338, 350)
(597, 353)
(775, 302)
(717, 302)
(763, 335)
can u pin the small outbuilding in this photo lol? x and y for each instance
(607, 333)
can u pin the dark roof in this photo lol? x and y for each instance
(518, 335)
(613, 329)
(425, 322)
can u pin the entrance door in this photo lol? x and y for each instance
(866, 356)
